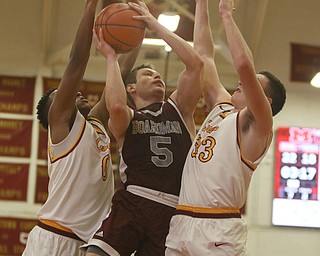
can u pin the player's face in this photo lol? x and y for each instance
(150, 85)
(238, 97)
(82, 104)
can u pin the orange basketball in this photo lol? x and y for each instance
(120, 30)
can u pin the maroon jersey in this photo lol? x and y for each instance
(155, 148)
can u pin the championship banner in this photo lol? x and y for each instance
(49, 83)
(13, 235)
(42, 143)
(13, 182)
(305, 62)
(89, 89)
(15, 137)
(42, 181)
(17, 94)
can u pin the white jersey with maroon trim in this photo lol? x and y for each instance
(81, 182)
(216, 174)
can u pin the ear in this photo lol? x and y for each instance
(270, 100)
(131, 88)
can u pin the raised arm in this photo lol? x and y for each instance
(63, 106)
(257, 102)
(126, 63)
(256, 119)
(188, 88)
(115, 93)
(213, 91)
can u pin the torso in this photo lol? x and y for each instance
(80, 168)
(155, 148)
(216, 173)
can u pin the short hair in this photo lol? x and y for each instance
(276, 91)
(131, 78)
(43, 108)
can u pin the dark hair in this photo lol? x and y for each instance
(43, 108)
(131, 78)
(276, 91)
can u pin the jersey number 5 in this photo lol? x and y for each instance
(164, 157)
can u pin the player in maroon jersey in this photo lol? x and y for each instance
(153, 141)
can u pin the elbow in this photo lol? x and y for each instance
(244, 66)
(116, 109)
(198, 63)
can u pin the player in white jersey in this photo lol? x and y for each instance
(230, 144)
(81, 182)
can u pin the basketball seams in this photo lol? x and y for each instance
(121, 25)
(120, 30)
(124, 43)
(128, 25)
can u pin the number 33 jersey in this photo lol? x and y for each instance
(155, 147)
(216, 174)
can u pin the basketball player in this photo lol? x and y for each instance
(81, 182)
(230, 144)
(153, 142)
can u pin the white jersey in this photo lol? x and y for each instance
(81, 181)
(216, 174)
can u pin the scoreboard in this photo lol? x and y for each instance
(296, 190)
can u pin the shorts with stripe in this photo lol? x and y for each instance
(207, 232)
(134, 224)
(44, 240)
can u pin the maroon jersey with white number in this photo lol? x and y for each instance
(155, 148)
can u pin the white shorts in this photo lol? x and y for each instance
(206, 236)
(45, 243)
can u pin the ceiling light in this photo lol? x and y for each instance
(315, 82)
(169, 20)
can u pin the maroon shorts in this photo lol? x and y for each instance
(136, 224)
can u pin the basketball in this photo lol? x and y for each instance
(120, 30)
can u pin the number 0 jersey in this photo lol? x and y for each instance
(155, 147)
(81, 182)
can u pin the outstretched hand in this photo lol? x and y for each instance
(102, 46)
(226, 6)
(145, 16)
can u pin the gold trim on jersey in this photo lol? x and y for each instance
(94, 119)
(97, 128)
(222, 102)
(56, 225)
(198, 209)
(52, 159)
(243, 159)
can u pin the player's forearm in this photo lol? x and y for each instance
(81, 46)
(180, 47)
(203, 41)
(241, 54)
(115, 93)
